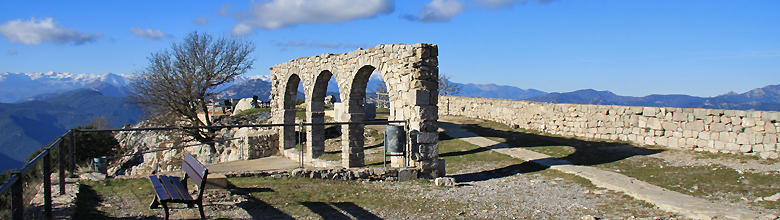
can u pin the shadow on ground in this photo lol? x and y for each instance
(257, 208)
(331, 210)
(576, 151)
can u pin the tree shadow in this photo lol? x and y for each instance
(521, 168)
(330, 211)
(257, 208)
(87, 201)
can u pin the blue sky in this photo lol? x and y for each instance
(637, 48)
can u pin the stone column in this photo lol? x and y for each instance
(352, 154)
(315, 135)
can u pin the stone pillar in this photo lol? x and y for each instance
(288, 139)
(315, 135)
(352, 154)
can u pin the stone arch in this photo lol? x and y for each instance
(411, 75)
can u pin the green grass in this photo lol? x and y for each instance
(251, 111)
(382, 113)
(130, 195)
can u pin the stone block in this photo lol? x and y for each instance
(654, 123)
(649, 111)
(407, 174)
(746, 148)
(732, 147)
(428, 137)
(770, 139)
(697, 125)
(758, 148)
(770, 128)
(419, 97)
(717, 127)
(444, 181)
(669, 126)
(719, 145)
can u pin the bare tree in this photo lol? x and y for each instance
(177, 82)
(380, 95)
(446, 87)
(100, 122)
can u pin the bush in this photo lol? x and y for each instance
(94, 144)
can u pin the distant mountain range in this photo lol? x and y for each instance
(763, 99)
(37, 107)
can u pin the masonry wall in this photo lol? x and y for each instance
(714, 130)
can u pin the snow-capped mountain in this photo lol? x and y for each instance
(15, 87)
(18, 86)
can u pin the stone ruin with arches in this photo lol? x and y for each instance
(410, 73)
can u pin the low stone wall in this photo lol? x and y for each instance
(714, 130)
(386, 174)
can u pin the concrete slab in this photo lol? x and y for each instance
(668, 200)
(266, 163)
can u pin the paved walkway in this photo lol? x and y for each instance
(668, 200)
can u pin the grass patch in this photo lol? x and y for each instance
(382, 113)
(714, 182)
(96, 199)
(251, 111)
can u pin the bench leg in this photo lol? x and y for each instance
(165, 206)
(200, 208)
(155, 203)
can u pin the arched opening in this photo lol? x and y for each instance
(352, 138)
(290, 96)
(315, 136)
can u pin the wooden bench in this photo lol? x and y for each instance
(169, 189)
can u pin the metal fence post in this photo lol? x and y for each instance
(17, 206)
(62, 166)
(47, 183)
(72, 153)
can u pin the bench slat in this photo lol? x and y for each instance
(166, 181)
(162, 194)
(193, 166)
(182, 190)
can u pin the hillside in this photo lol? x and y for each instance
(27, 126)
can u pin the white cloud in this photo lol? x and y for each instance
(201, 20)
(37, 31)
(440, 11)
(12, 52)
(154, 34)
(281, 13)
(223, 10)
(501, 4)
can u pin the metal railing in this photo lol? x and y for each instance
(16, 181)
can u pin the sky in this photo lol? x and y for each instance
(635, 48)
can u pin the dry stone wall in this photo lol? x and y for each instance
(713, 130)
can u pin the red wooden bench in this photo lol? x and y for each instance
(169, 189)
